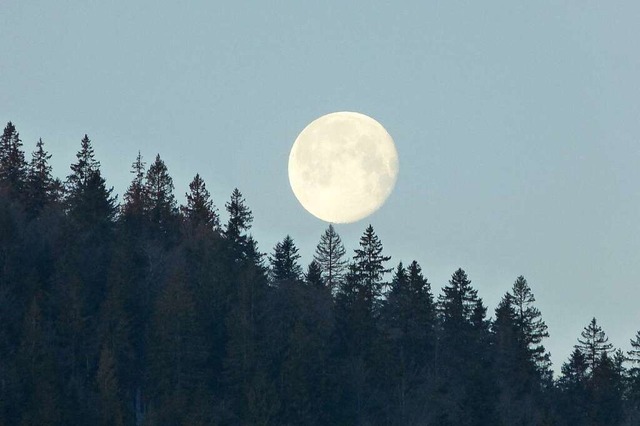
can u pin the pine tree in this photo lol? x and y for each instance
(409, 321)
(634, 353)
(518, 401)
(593, 344)
(161, 203)
(464, 340)
(89, 201)
(313, 276)
(40, 184)
(13, 168)
(634, 376)
(240, 218)
(533, 329)
(199, 210)
(284, 261)
(458, 300)
(243, 247)
(369, 266)
(330, 256)
(135, 202)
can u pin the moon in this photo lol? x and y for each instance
(343, 166)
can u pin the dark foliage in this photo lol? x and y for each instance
(150, 314)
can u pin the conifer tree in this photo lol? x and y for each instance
(408, 319)
(369, 266)
(634, 353)
(330, 256)
(161, 205)
(199, 210)
(40, 184)
(458, 300)
(313, 276)
(284, 261)
(242, 245)
(13, 168)
(89, 201)
(593, 344)
(240, 218)
(529, 321)
(135, 199)
(634, 377)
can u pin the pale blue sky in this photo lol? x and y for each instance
(517, 124)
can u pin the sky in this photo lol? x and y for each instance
(517, 125)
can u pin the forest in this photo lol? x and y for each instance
(146, 312)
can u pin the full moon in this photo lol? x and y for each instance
(343, 166)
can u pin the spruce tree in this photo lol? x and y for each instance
(408, 320)
(199, 210)
(369, 266)
(242, 245)
(330, 256)
(593, 344)
(135, 199)
(13, 168)
(284, 262)
(240, 217)
(161, 203)
(89, 201)
(634, 377)
(533, 329)
(40, 184)
(634, 353)
(313, 276)
(457, 301)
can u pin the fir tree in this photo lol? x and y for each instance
(240, 218)
(284, 261)
(135, 199)
(634, 353)
(313, 276)
(161, 203)
(369, 266)
(13, 168)
(533, 329)
(243, 247)
(330, 256)
(40, 187)
(593, 344)
(89, 201)
(458, 300)
(199, 210)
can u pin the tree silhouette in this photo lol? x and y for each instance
(199, 210)
(593, 344)
(13, 168)
(330, 256)
(284, 261)
(40, 184)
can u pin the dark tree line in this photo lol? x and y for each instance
(151, 313)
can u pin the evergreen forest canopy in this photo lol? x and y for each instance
(150, 313)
